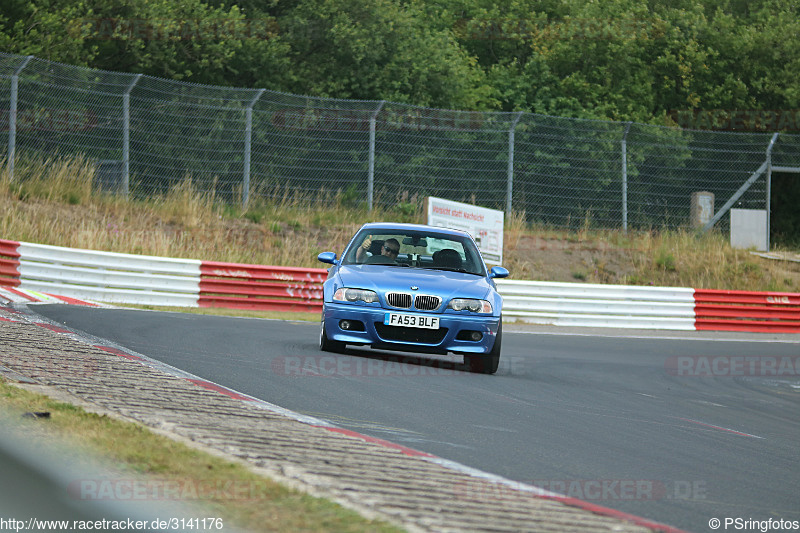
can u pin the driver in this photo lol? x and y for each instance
(390, 248)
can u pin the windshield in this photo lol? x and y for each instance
(415, 249)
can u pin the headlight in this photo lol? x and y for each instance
(355, 295)
(469, 304)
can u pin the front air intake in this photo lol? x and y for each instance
(398, 299)
(427, 303)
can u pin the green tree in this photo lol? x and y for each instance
(381, 50)
(29, 27)
(186, 40)
(627, 60)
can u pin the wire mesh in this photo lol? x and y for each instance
(568, 171)
(457, 155)
(182, 131)
(786, 152)
(149, 135)
(310, 149)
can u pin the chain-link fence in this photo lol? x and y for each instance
(148, 135)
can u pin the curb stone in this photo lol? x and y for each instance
(416, 491)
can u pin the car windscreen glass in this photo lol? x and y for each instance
(415, 249)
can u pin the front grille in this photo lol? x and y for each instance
(415, 335)
(427, 303)
(399, 299)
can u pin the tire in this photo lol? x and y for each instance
(487, 363)
(327, 345)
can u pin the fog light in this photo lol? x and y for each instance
(476, 336)
(344, 324)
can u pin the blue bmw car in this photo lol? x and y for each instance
(413, 288)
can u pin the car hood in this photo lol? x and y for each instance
(446, 284)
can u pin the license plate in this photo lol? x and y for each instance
(411, 321)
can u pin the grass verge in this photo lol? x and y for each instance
(258, 504)
(239, 313)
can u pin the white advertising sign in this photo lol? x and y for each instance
(485, 225)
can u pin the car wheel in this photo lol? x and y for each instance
(327, 345)
(487, 363)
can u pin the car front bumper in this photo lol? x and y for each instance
(375, 333)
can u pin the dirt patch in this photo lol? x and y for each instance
(557, 259)
(570, 258)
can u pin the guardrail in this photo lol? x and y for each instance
(578, 304)
(9, 263)
(136, 279)
(768, 312)
(147, 280)
(107, 276)
(239, 286)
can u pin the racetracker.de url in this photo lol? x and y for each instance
(170, 524)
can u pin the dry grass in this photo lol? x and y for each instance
(708, 262)
(52, 202)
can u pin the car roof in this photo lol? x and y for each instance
(412, 227)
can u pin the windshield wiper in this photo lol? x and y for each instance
(452, 269)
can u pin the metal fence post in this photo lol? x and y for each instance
(371, 157)
(743, 189)
(126, 135)
(12, 117)
(248, 136)
(625, 178)
(769, 181)
(510, 171)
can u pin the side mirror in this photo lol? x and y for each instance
(498, 272)
(328, 257)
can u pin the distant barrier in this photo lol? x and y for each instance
(146, 280)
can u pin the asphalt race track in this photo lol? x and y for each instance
(677, 430)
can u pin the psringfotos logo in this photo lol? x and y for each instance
(733, 366)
